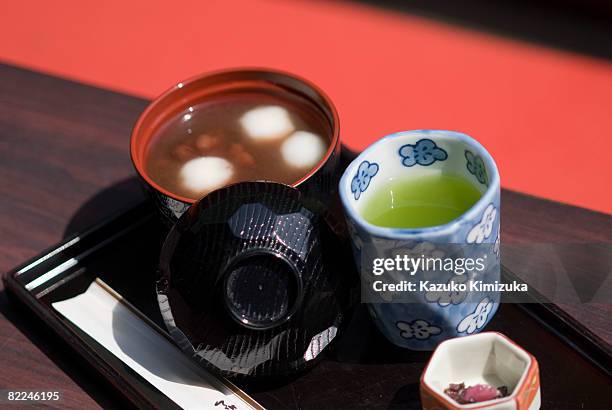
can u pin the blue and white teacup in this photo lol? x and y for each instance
(420, 320)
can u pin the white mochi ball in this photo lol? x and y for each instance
(303, 149)
(269, 122)
(204, 174)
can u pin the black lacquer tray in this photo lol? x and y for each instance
(361, 370)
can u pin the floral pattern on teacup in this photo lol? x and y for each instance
(362, 178)
(496, 246)
(452, 297)
(424, 152)
(418, 250)
(425, 249)
(483, 229)
(477, 319)
(476, 167)
(418, 329)
(415, 250)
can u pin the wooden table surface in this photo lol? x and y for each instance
(64, 165)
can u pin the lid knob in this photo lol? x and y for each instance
(261, 289)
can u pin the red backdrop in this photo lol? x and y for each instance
(545, 115)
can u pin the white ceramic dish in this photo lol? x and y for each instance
(487, 357)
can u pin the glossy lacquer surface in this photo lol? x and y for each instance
(252, 281)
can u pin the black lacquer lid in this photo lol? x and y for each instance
(251, 282)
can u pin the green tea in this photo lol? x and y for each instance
(419, 202)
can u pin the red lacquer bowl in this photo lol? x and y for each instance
(319, 183)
